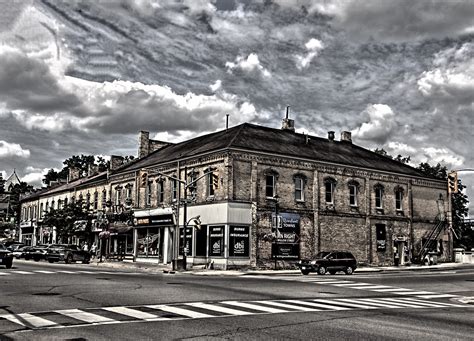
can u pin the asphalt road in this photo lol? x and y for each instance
(42, 301)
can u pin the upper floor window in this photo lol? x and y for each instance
(47, 207)
(174, 190)
(212, 183)
(299, 188)
(41, 212)
(329, 188)
(270, 183)
(60, 202)
(192, 184)
(148, 193)
(118, 195)
(353, 190)
(378, 196)
(160, 191)
(96, 200)
(399, 199)
(88, 200)
(104, 198)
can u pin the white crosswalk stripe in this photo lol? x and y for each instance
(4, 273)
(36, 321)
(358, 285)
(71, 272)
(132, 313)
(84, 316)
(180, 311)
(22, 272)
(44, 272)
(97, 316)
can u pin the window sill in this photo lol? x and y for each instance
(330, 207)
(379, 211)
(354, 208)
(400, 213)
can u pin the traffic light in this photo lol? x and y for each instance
(143, 179)
(215, 181)
(453, 182)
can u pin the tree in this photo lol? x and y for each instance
(438, 171)
(399, 158)
(64, 218)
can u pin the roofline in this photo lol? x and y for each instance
(290, 157)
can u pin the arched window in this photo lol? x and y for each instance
(271, 177)
(329, 189)
(399, 198)
(353, 192)
(378, 189)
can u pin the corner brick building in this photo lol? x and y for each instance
(255, 194)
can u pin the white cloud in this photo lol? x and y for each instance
(216, 86)
(380, 126)
(399, 148)
(452, 77)
(314, 46)
(443, 156)
(249, 64)
(12, 149)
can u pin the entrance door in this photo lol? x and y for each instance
(400, 250)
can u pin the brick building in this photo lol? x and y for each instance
(254, 194)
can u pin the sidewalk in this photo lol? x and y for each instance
(154, 268)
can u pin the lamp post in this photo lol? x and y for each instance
(186, 185)
(276, 197)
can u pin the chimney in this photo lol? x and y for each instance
(92, 169)
(116, 161)
(288, 124)
(143, 144)
(346, 136)
(74, 174)
(330, 135)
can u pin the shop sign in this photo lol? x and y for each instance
(161, 220)
(186, 243)
(239, 241)
(381, 234)
(286, 244)
(216, 241)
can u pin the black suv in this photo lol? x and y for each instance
(6, 257)
(66, 252)
(329, 261)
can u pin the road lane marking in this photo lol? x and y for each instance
(36, 321)
(22, 272)
(351, 285)
(45, 271)
(415, 293)
(397, 303)
(179, 311)
(437, 296)
(418, 303)
(393, 289)
(375, 286)
(220, 309)
(84, 316)
(255, 307)
(4, 274)
(67, 272)
(132, 313)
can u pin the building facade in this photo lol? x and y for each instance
(252, 196)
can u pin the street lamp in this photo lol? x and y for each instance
(276, 197)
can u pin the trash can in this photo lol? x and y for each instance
(433, 258)
(458, 255)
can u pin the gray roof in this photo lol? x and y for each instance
(261, 139)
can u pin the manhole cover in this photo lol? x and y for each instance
(46, 294)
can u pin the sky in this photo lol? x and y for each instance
(84, 77)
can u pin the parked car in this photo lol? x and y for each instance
(6, 256)
(21, 252)
(38, 252)
(14, 246)
(329, 261)
(67, 253)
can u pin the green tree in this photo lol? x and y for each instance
(399, 158)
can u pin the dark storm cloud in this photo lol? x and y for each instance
(27, 84)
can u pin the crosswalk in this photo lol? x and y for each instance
(358, 285)
(197, 310)
(69, 272)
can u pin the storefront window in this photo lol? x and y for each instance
(216, 241)
(149, 242)
(201, 241)
(239, 241)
